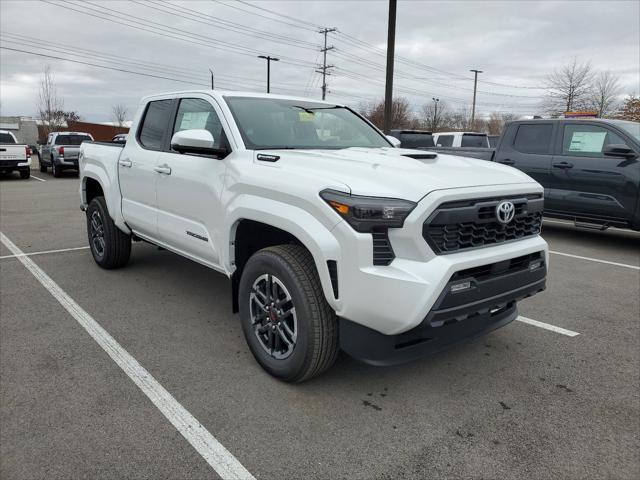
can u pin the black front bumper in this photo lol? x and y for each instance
(490, 303)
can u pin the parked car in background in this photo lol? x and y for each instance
(60, 152)
(413, 138)
(493, 140)
(461, 139)
(13, 156)
(120, 138)
(589, 168)
(331, 237)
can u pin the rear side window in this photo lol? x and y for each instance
(416, 140)
(72, 139)
(469, 140)
(196, 113)
(155, 123)
(445, 140)
(6, 138)
(533, 139)
(587, 140)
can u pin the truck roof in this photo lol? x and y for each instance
(225, 93)
(459, 133)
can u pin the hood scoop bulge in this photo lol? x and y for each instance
(421, 156)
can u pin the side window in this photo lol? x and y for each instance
(469, 140)
(587, 140)
(196, 113)
(445, 140)
(154, 125)
(533, 138)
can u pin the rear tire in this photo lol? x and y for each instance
(297, 314)
(43, 167)
(56, 171)
(24, 174)
(109, 245)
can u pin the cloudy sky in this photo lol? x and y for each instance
(175, 43)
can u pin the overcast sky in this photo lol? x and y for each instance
(515, 43)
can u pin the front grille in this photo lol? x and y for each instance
(382, 250)
(462, 225)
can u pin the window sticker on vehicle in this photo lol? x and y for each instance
(194, 120)
(587, 141)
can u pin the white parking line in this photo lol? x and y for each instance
(547, 326)
(216, 455)
(44, 252)
(37, 178)
(597, 260)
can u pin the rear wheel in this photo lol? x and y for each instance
(43, 167)
(109, 245)
(24, 174)
(55, 169)
(289, 326)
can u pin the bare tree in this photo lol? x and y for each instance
(434, 116)
(497, 121)
(50, 105)
(568, 88)
(604, 93)
(402, 117)
(119, 112)
(460, 119)
(630, 109)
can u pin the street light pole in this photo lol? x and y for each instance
(434, 124)
(475, 86)
(269, 60)
(391, 45)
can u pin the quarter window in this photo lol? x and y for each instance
(155, 123)
(534, 139)
(445, 140)
(198, 114)
(587, 140)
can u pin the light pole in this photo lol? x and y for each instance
(475, 86)
(269, 60)
(434, 124)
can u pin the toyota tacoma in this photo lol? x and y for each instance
(332, 237)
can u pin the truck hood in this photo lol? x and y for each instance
(396, 172)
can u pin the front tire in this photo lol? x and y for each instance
(43, 167)
(109, 245)
(25, 174)
(289, 326)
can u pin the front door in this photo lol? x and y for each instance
(137, 169)
(189, 189)
(585, 181)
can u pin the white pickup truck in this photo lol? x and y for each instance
(13, 156)
(331, 236)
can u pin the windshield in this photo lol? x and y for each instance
(72, 139)
(272, 123)
(632, 128)
(416, 140)
(6, 138)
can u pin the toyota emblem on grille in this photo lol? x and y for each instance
(505, 211)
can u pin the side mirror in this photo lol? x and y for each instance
(618, 150)
(394, 141)
(196, 141)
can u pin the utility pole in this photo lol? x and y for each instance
(323, 69)
(434, 125)
(212, 83)
(475, 87)
(391, 46)
(269, 60)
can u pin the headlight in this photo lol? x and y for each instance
(366, 213)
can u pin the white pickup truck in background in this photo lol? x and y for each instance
(332, 238)
(13, 156)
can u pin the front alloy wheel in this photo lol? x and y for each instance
(273, 316)
(96, 234)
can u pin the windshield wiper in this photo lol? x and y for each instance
(311, 109)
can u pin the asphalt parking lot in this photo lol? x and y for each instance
(522, 402)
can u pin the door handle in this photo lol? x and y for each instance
(163, 169)
(563, 165)
(125, 163)
(506, 161)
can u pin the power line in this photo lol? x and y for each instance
(294, 25)
(314, 25)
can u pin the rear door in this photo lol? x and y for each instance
(190, 187)
(528, 147)
(586, 182)
(136, 169)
